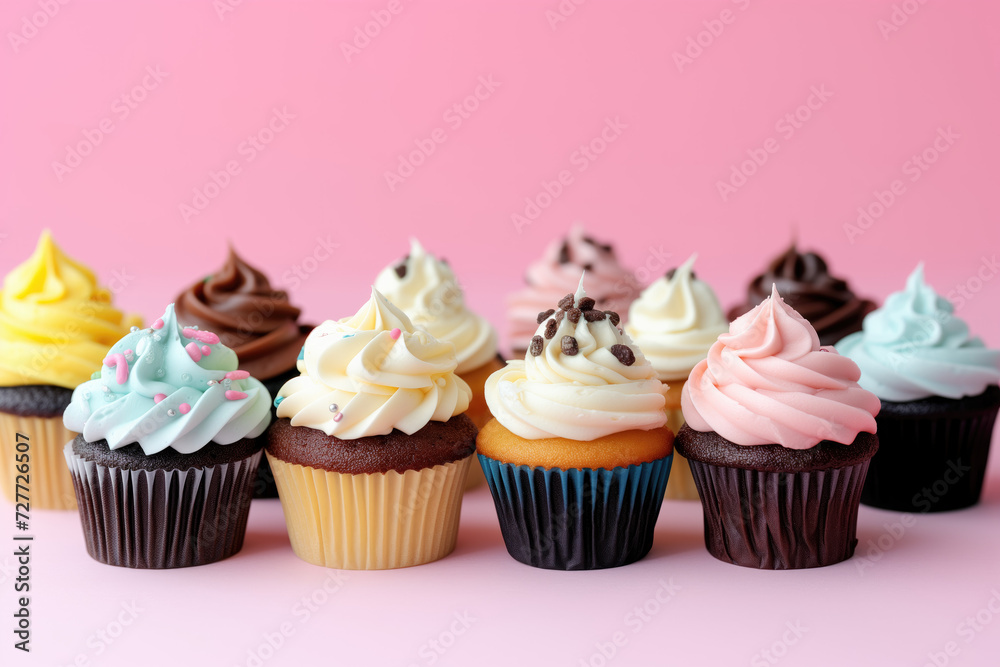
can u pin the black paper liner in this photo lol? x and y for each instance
(780, 520)
(160, 519)
(577, 519)
(933, 453)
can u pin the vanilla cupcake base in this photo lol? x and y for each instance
(375, 521)
(681, 484)
(49, 485)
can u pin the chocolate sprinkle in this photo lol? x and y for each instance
(566, 302)
(613, 316)
(623, 353)
(400, 270)
(536, 346)
(593, 315)
(588, 267)
(559, 316)
(550, 329)
(671, 272)
(574, 315)
(544, 316)
(586, 303)
(570, 346)
(564, 253)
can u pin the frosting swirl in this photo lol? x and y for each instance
(251, 317)
(768, 381)
(675, 321)
(558, 272)
(582, 379)
(804, 280)
(56, 322)
(169, 386)
(372, 373)
(426, 290)
(914, 347)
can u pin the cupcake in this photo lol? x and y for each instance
(779, 436)
(804, 280)
(578, 455)
(938, 386)
(56, 324)
(256, 321)
(371, 448)
(557, 273)
(168, 449)
(674, 321)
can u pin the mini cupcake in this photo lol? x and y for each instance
(675, 321)
(256, 321)
(371, 449)
(803, 278)
(168, 449)
(938, 386)
(779, 436)
(579, 454)
(56, 324)
(557, 273)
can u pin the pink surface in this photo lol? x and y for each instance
(263, 101)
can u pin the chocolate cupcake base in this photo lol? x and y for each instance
(163, 511)
(933, 453)
(768, 507)
(578, 519)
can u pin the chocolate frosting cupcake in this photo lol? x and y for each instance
(805, 283)
(249, 316)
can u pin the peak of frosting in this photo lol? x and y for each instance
(768, 381)
(675, 321)
(557, 272)
(171, 385)
(914, 347)
(582, 378)
(257, 321)
(56, 321)
(371, 373)
(425, 288)
(804, 279)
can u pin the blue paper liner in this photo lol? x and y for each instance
(577, 519)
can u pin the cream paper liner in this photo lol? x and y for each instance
(49, 484)
(372, 521)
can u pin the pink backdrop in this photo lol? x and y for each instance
(285, 117)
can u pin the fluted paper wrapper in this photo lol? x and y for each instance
(780, 520)
(372, 521)
(577, 519)
(49, 484)
(158, 519)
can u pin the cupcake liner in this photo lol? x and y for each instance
(780, 520)
(371, 521)
(263, 485)
(577, 519)
(929, 464)
(160, 519)
(681, 484)
(49, 484)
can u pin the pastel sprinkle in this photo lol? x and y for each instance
(206, 350)
(193, 351)
(158, 324)
(234, 395)
(302, 352)
(184, 408)
(395, 333)
(117, 361)
(237, 375)
(202, 336)
(159, 397)
(129, 352)
(278, 401)
(337, 417)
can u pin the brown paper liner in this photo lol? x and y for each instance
(373, 521)
(50, 486)
(681, 484)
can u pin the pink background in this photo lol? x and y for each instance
(322, 177)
